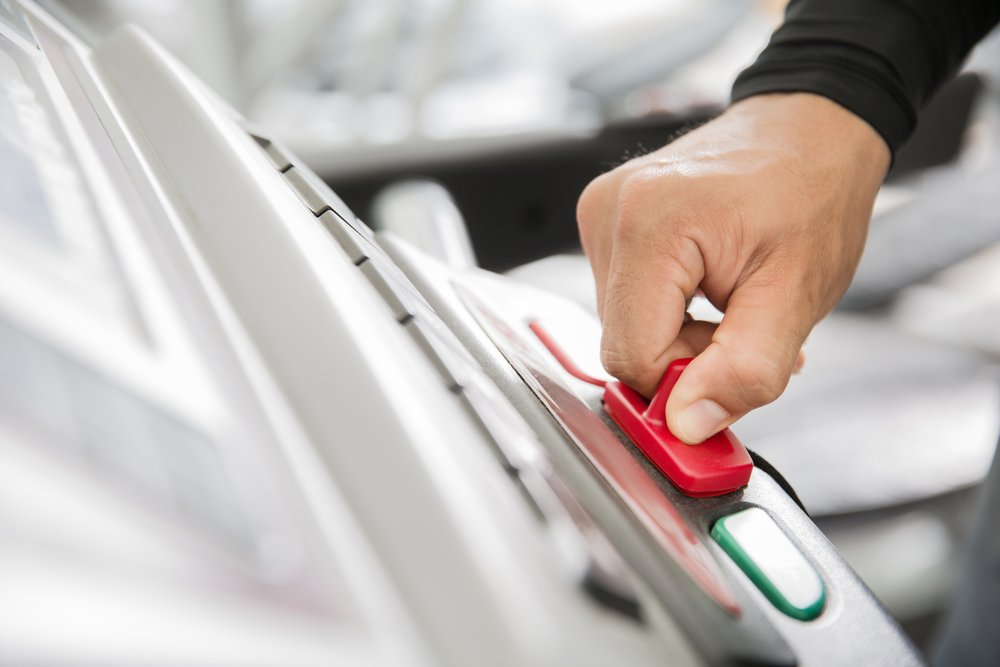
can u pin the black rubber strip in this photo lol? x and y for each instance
(762, 463)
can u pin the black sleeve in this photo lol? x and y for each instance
(881, 59)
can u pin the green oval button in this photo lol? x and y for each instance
(772, 562)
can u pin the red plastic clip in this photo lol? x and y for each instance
(719, 465)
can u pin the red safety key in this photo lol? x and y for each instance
(719, 465)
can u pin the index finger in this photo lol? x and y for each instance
(650, 282)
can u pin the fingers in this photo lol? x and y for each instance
(648, 288)
(800, 361)
(749, 361)
(744, 207)
(595, 212)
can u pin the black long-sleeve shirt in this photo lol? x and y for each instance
(881, 59)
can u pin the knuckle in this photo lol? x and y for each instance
(639, 191)
(636, 208)
(590, 205)
(585, 208)
(623, 363)
(653, 208)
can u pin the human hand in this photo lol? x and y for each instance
(766, 210)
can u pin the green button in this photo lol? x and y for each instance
(772, 562)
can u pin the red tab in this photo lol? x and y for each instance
(719, 465)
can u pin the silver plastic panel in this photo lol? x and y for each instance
(761, 634)
(357, 247)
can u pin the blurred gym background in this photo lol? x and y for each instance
(498, 112)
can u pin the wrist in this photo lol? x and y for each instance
(819, 123)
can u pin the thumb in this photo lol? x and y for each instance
(749, 361)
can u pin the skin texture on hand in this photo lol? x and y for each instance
(766, 210)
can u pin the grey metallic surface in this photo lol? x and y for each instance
(853, 629)
(277, 154)
(314, 193)
(452, 368)
(462, 551)
(278, 157)
(356, 246)
(305, 190)
(454, 568)
(400, 302)
(852, 612)
(719, 637)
